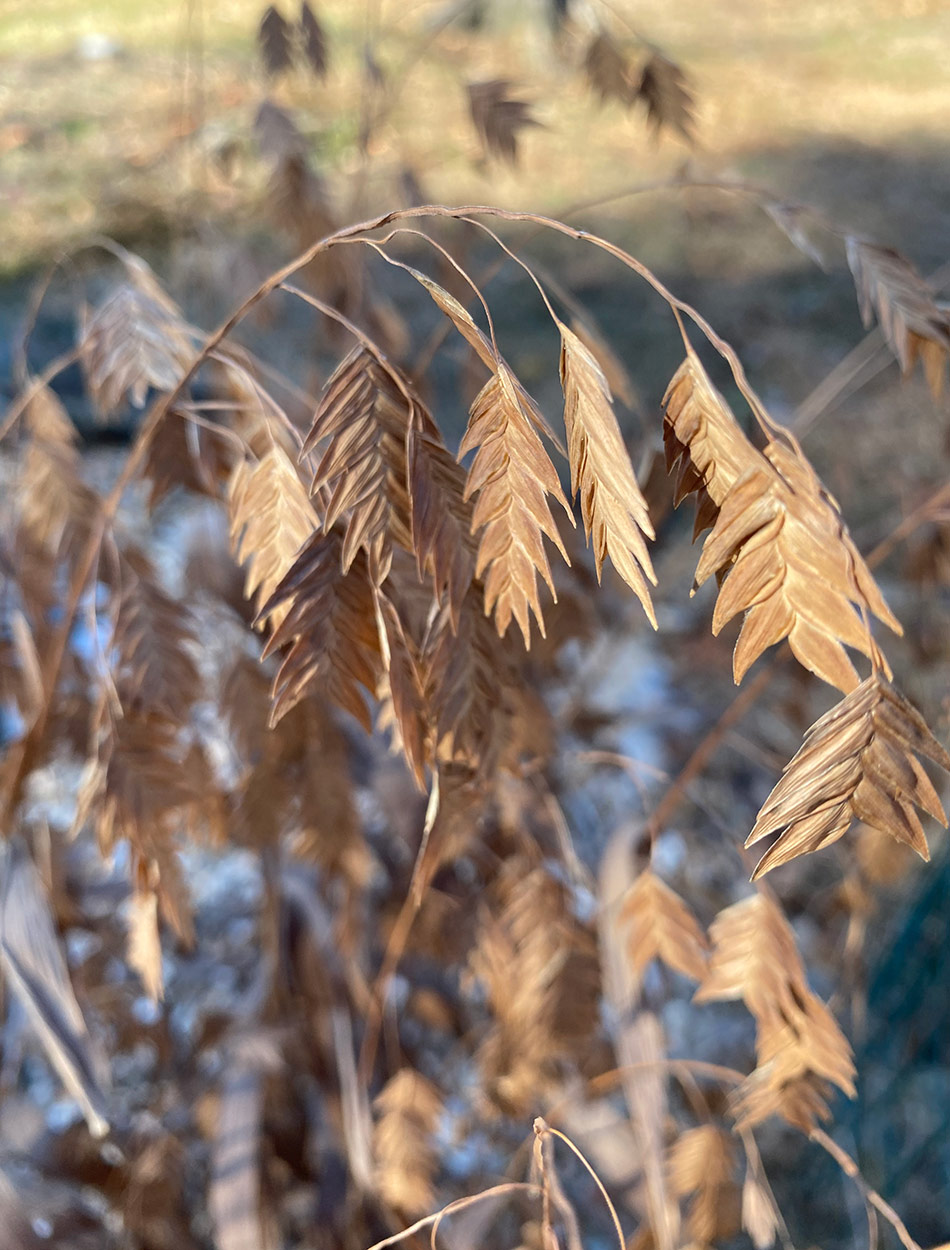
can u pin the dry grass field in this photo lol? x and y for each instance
(123, 117)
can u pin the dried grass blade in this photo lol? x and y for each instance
(760, 1216)
(778, 543)
(465, 664)
(755, 958)
(787, 560)
(405, 687)
(703, 441)
(512, 476)
(801, 1101)
(145, 945)
(57, 508)
(608, 71)
(701, 1166)
(799, 1046)
(857, 761)
(314, 40)
(154, 640)
(275, 42)
(328, 628)
(499, 118)
(271, 519)
(364, 418)
(661, 926)
(30, 683)
(912, 323)
(182, 453)
(47, 419)
(34, 965)
(614, 511)
(441, 519)
(538, 965)
(234, 1196)
(408, 1109)
(794, 221)
(664, 89)
(136, 339)
(614, 370)
(460, 317)
(638, 1039)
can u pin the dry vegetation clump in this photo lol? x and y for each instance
(320, 683)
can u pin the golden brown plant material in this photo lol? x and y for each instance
(512, 476)
(235, 1199)
(186, 455)
(35, 968)
(134, 340)
(859, 761)
(912, 323)
(614, 370)
(392, 585)
(154, 638)
(538, 967)
(271, 519)
(608, 70)
(661, 926)
(778, 545)
(403, 684)
(760, 1216)
(441, 518)
(799, 1046)
(58, 508)
(703, 441)
(362, 475)
(48, 421)
(612, 505)
(499, 118)
(702, 1163)
(787, 560)
(327, 636)
(145, 943)
(408, 1109)
(665, 90)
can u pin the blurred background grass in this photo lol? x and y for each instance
(120, 117)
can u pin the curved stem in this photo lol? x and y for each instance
(460, 1204)
(851, 1170)
(378, 246)
(542, 1130)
